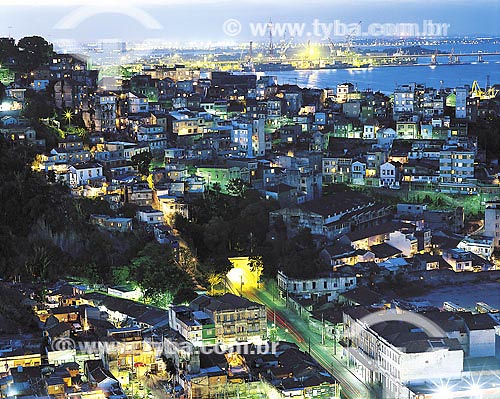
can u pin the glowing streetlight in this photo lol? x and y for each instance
(68, 115)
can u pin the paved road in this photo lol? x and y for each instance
(298, 330)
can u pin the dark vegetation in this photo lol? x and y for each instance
(46, 234)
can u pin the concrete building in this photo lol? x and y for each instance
(325, 287)
(456, 171)
(235, 318)
(389, 175)
(252, 132)
(149, 216)
(461, 94)
(81, 174)
(105, 113)
(154, 136)
(492, 222)
(343, 91)
(397, 355)
(405, 242)
(331, 216)
(404, 99)
(481, 246)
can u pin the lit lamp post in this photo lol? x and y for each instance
(68, 115)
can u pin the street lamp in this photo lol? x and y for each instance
(68, 115)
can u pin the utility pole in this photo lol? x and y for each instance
(322, 330)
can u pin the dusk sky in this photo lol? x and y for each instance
(202, 20)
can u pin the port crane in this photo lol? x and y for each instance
(487, 94)
(349, 37)
(284, 48)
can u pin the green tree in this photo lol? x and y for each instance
(2, 91)
(142, 161)
(236, 188)
(156, 271)
(37, 106)
(121, 275)
(33, 52)
(8, 49)
(214, 279)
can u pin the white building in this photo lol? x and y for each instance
(149, 216)
(252, 132)
(461, 94)
(154, 135)
(171, 206)
(481, 332)
(187, 123)
(81, 174)
(459, 260)
(406, 243)
(404, 99)
(399, 356)
(328, 285)
(137, 103)
(456, 171)
(369, 132)
(492, 222)
(125, 292)
(358, 173)
(389, 176)
(481, 246)
(343, 91)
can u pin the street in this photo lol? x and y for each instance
(300, 333)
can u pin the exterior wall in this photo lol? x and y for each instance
(221, 175)
(82, 176)
(483, 248)
(322, 286)
(171, 207)
(414, 367)
(492, 222)
(388, 175)
(296, 219)
(358, 173)
(241, 325)
(481, 343)
(456, 171)
(406, 243)
(379, 362)
(105, 114)
(404, 99)
(461, 102)
(150, 217)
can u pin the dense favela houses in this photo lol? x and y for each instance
(274, 219)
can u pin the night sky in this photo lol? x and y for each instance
(202, 20)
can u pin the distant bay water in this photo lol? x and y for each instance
(386, 78)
